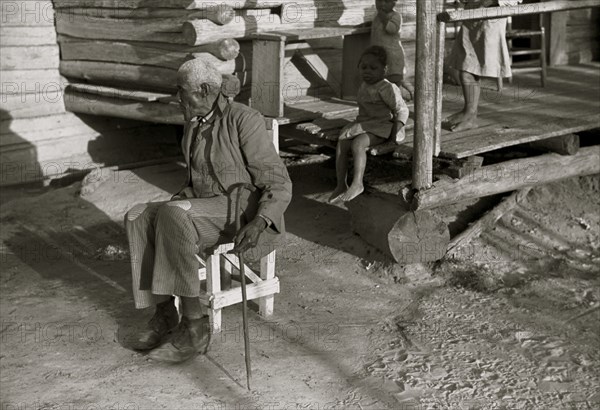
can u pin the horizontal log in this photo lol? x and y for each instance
(152, 78)
(168, 4)
(123, 53)
(224, 67)
(155, 112)
(29, 58)
(130, 75)
(196, 32)
(407, 6)
(330, 12)
(27, 36)
(455, 16)
(119, 92)
(510, 176)
(218, 13)
(230, 87)
(96, 28)
(158, 54)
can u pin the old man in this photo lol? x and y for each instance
(225, 144)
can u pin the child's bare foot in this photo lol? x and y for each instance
(466, 124)
(352, 192)
(460, 121)
(336, 195)
(452, 120)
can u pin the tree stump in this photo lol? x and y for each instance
(386, 222)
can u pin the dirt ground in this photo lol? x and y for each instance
(495, 328)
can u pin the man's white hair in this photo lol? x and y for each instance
(196, 72)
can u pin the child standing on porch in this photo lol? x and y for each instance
(382, 114)
(480, 50)
(385, 32)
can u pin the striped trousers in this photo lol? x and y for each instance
(164, 239)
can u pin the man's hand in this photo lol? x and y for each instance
(247, 237)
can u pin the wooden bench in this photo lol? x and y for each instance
(325, 131)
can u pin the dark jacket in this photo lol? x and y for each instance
(241, 151)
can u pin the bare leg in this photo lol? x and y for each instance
(467, 118)
(407, 89)
(359, 153)
(341, 169)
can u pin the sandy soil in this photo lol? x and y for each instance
(495, 328)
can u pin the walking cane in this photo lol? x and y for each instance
(240, 255)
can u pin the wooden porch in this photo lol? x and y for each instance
(520, 113)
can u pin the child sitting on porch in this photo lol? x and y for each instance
(385, 32)
(480, 50)
(382, 114)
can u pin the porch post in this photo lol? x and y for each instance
(425, 94)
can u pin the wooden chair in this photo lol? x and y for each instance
(534, 65)
(220, 267)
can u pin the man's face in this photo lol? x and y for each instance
(194, 101)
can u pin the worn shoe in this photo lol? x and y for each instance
(191, 338)
(165, 318)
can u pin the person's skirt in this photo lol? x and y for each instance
(480, 49)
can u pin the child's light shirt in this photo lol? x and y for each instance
(379, 105)
(388, 37)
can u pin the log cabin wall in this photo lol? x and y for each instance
(139, 44)
(574, 36)
(142, 43)
(38, 137)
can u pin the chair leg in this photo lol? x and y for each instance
(543, 61)
(267, 271)
(213, 286)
